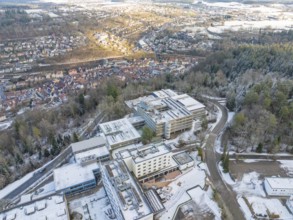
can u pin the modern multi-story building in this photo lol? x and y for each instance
(126, 197)
(166, 112)
(149, 161)
(119, 133)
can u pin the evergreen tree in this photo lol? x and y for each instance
(226, 163)
(75, 138)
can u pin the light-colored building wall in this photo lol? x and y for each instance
(151, 165)
(285, 189)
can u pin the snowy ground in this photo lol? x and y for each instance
(251, 187)
(182, 190)
(205, 202)
(288, 166)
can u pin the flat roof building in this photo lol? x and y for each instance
(94, 155)
(89, 144)
(166, 112)
(147, 160)
(119, 133)
(52, 207)
(184, 160)
(277, 186)
(75, 178)
(125, 195)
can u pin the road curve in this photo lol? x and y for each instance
(212, 159)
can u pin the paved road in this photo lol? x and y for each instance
(62, 157)
(39, 175)
(212, 159)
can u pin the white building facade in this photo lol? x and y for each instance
(276, 186)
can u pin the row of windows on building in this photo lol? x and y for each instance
(154, 161)
(151, 169)
(154, 164)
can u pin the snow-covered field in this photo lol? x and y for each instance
(252, 25)
(204, 201)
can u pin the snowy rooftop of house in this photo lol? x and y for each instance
(88, 144)
(94, 153)
(52, 207)
(119, 131)
(145, 152)
(73, 174)
(280, 183)
(132, 202)
(182, 158)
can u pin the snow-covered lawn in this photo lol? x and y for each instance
(245, 209)
(204, 200)
(226, 176)
(250, 185)
(288, 166)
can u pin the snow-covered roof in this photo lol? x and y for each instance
(46, 208)
(164, 110)
(119, 131)
(164, 93)
(145, 152)
(166, 105)
(95, 153)
(130, 199)
(73, 174)
(280, 183)
(88, 144)
(182, 158)
(190, 103)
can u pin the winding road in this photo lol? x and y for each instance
(212, 159)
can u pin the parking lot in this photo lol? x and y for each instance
(264, 168)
